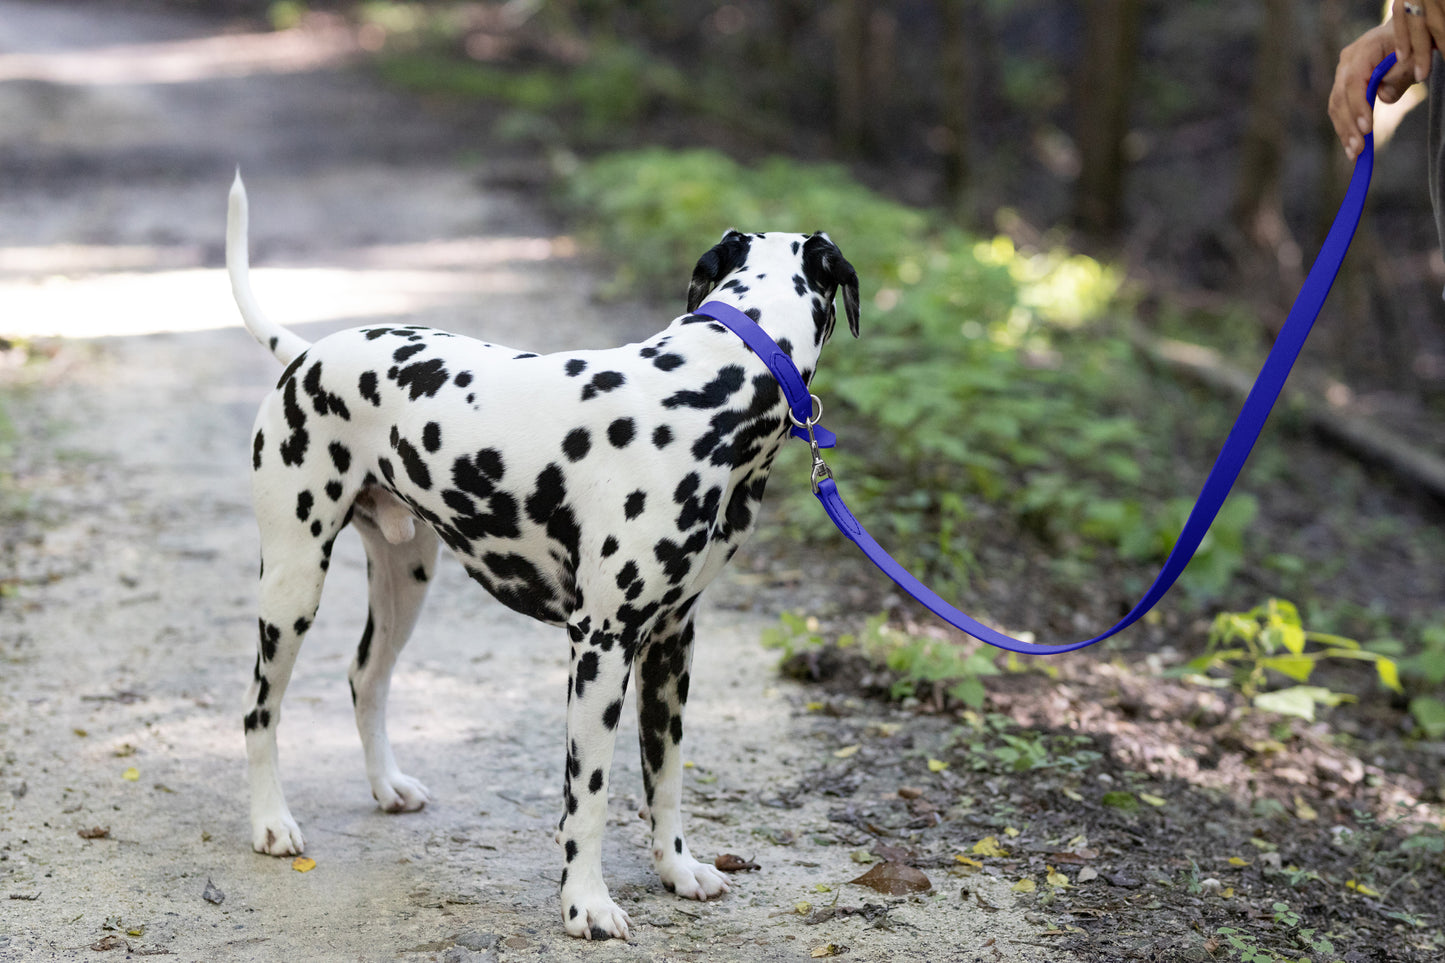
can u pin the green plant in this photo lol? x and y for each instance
(996, 744)
(1270, 638)
(921, 665)
(1288, 923)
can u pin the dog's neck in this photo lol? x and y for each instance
(800, 326)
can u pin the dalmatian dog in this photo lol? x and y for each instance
(599, 491)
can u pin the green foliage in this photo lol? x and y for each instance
(1270, 640)
(991, 375)
(917, 662)
(1288, 927)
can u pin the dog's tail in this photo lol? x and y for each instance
(282, 343)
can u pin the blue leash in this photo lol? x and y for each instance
(1217, 486)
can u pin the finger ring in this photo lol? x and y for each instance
(1414, 9)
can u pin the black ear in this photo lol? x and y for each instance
(726, 256)
(827, 265)
(848, 284)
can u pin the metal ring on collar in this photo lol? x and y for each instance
(1414, 9)
(817, 414)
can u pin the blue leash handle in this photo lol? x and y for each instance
(1236, 450)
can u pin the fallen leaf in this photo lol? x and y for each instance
(1238, 861)
(1056, 878)
(959, 857)
(988, 846)
(131, 775)
(1120, 799)
(1153, 800)
(124, 749)
(828, 949)
(822, 888)
(111, 942)
(862, 856)
(846, 751)
(1360, 888)
(814, 706)
(213, 895)
(1304, 810)
(1227, 892)
(729, 863)
(1087, 875)
(1010, 832)
(894, 879)
(95, 832)
(1069, 793)
(1024, 886)
(303, 864)
(937, 765)
(802, 907)
(909, 792)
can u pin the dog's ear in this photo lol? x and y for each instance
(826, 264)
(726, 256)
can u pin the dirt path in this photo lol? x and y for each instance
(126, 592)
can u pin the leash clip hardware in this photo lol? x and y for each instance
(821, 471)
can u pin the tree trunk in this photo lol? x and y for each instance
(1111, 47)
(1258, 208)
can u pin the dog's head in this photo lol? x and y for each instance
(809, 262)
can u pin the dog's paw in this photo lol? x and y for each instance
(691, 879)
(594, 918)
(277, 836)
(398, 793)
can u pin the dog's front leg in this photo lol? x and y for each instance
(597, 684)
(662, 683)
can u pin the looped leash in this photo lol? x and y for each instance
(805, 410)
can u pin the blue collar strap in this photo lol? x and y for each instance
(805, 412)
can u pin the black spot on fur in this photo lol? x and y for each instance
(575, 367)
(612, 714)
(603, 382)
(636, 502)
(419, 573)
(677, 845)
(304, 502)
(322, 400)
(431, 437)
(411, 460)
(302, 624)
(661, 436)
(587, 668)
(256, 444)
(334, 490)
(340, 457)
(621, 432)
(423, 377)
(668, 362)
(714, 394)
(406, 351)
(366, 384)
(577, 444)
(571, 855)
(293, 449)
(462, 379)
(609, 547)
(363, 651)
(594, 784)
(270, 638)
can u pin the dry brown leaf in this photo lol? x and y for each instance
(95, 832)
(894, 879)
(729, 863)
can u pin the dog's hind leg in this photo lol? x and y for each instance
(293, 564)
(397, 574)
(662, 681)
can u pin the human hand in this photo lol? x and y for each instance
(1349, 109)
(1419, 28)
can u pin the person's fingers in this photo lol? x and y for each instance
(1349, 113)
(1404, 44)
(1417, 28)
